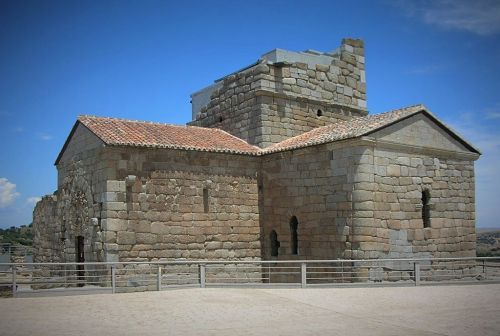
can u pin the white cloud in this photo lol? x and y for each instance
(426, 70)
(8, 192)
(493, 113)
(45, 136)
(33, 200)
(477, 16)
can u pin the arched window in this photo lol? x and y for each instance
(426, 211)
(294, 237)
(275, 244)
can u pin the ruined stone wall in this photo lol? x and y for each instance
(45, 226)
(268, 103)
(173, 204)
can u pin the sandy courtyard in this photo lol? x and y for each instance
(438, 310)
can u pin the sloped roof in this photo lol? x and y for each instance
(121, 132)
(357, 127)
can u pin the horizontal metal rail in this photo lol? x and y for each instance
(235, 262)
(30, 278)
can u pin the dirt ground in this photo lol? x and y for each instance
(424, 310)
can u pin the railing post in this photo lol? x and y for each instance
(113, 279)
(341, 271)
(303, 274)
(202, 276)
(416, 266)
(158, 279)
(14, 280)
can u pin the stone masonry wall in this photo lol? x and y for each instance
(172, 204)
(83, 145)
(271, 102)
(46, 225)
(75, 208)
(313, 184)
(392, 224)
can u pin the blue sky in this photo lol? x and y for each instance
(142, 59)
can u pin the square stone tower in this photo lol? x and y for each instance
(285, 94)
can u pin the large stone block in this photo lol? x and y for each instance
(394, 170)
(145, 238)
(114, 186)
(125, 238)
(361, 195)
(114, 224)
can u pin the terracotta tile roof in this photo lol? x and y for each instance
(123, 132)
(345, 129)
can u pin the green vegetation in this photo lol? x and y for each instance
(17, 235)
(488, 243)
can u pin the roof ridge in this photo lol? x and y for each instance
(418, 107)
(137, 121)
(168, 124)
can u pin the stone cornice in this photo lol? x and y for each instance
(416, 149)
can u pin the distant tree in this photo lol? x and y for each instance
(17, 235)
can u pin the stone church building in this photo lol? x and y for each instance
(281, 161)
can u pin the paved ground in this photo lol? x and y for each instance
(438, 310)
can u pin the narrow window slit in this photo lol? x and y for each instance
(294, 236)
(205, 200)
(426, 211)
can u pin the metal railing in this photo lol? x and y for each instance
(113, 277)
(15, 249)
(14, 253)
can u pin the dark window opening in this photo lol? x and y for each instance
(294, 239)
(426, 211)
(221, 119)
(80, 256)
(275, 244)
(205, 200)
(128, 194)
(63, 231)
(319, 113)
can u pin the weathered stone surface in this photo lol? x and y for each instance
(358, 198)
(284, 98)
